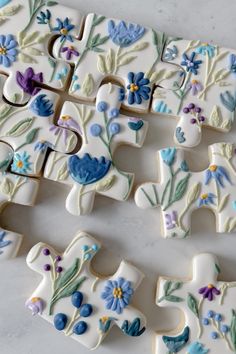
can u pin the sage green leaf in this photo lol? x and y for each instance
(52, 62)
(167, 286)
(181, 188)
(88, 85)
(98, 50)
(126, 61)
(6, 187)
(176, 286)
(233, 329)
(30, 38)
(173, 298)
(193, 304)
(30, 137)
(51, 3)
(193, 193)
(25, 58)
(10, 10)
(217, 268)
(34, 51)
(102, 40)
(94, 40)
(4, 165)
(98, 20)
(105, 185)
(20, 128)
(67, 275)
(4, 110)
(101, 64)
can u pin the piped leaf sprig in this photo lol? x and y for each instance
(169, 288)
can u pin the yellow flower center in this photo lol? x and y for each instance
(20, 164)
(64, 31)
(194, 82)
(35, 299)
(104, 319)
(204, 196)
(134, 87)
(65, 118)
(205, 44)
(210, 286)
(71, 47)
(118, 293)
(3, 51)
(213, 168)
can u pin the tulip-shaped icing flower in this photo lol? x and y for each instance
(197, 348)
(42, 106)
(135, 124)
(175, 344)
(117, 294)
(218, 173)
(35, 305)
(44, 17)
(124, 34)
(209, 291)
(27, 81)
(133, 329)
(168, 155)
(206, 49)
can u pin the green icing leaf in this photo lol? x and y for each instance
(233, 329)
(193, 304)
(218, 270)
(68, 275)
(181, 188)
(173, 298)
(51, 3)
(30, 137)
(169, 288)
(98, 20)
(20, 128)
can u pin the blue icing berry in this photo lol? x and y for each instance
(80, 328)
(95, 129)
(218, 317)
(205, 321)
(214, 335)
(60, 321)
(114, 128)
(77, 299)
(4, 2)
(86, 310)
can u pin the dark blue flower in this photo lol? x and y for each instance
(218, 173)
(138, 89)
(121, 94)
(206, 199)
(135, 124)
(42, 106)
(171, 53)
(133, 329)
(87, 170)
(3, 243)
(8, 51)
(117, 294)
(168, 155)
(175, 344)
(232, 63)
(197, 348)
(44, 17)
(191, 64)
(64, 27)
(124, 34)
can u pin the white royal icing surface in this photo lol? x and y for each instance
(92, 287)
(208, 308)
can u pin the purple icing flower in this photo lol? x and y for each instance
(27, 81)
(209, 291)
(35, 305)
(195, 86)
(70, 51)
(67, 121)
(171, 220)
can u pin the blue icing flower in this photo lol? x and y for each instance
(3, 242)
(135, 124)
(114, 113)
(234, 204)
(197, 348)
(87, 170)
(8, 51)
(138, 89)
(64, 27)
(21, 163)
(133, 328)
(171, 53)
(124, 34)
(117, 294)
(179, 134)
(218, 173)
(121, 94)
(44, 17)
(168, 155)
(184, 166)
(42, 106)
(206, 49)
(4, 2)
(175, 344)
(232, 63)
(95, 129)
(42, 146)
(206, 199)
(191, 64)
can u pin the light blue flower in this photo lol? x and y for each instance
(87, 170)
(171, 53)
(114, 128)
(64, 27)
(184, 166)
(197, 348)
(44, 17)
(168, 155)
(206, 49)
(21, 163)
(138, 88)
(4, 2)
(102, 106)
(124, 34)
(218, 173)
(191, 64)
(3, 242)
(117, 294)
(228, 100)
(8, 50)
(42, 106)
(206, 199)
(42, 146)
(95, 130)
(179, 134)
(175, 344)
(234, 204)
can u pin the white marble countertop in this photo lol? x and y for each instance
(124, 230)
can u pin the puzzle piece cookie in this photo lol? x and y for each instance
(207, 97)
(76, 300)
(30, 131)
(181, 191)
(13, 189)
(209, 309)
(92, 169)
(126, 52)
(27, 28)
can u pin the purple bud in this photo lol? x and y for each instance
(191, 106)
(58, 258)
(193, 120)
(198, 109)
(47, 267)
(202, 119)
(186, 110)
(46, 252)
(59, 269)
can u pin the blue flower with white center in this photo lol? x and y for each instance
(42, 106)
(8, 50)
(197, 348)
(44, 17)
(171, 53)
(124, 34)
(87, 170)
(117, 294)
(191, 64)
(206, 199)
(64, 27)
(232, 63)
(138, 89)
(168, 155)
(21, 163)
(206, 49)
(218, 173)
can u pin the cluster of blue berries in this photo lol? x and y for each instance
(215, 319)
(88, 252)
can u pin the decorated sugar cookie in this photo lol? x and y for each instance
(181, 191)
(209, 309)
(92, 170)
(78, 302)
